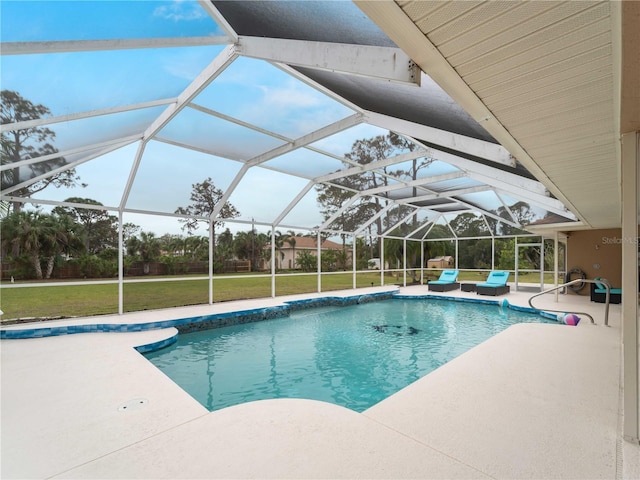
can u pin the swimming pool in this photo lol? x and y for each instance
(354, 356)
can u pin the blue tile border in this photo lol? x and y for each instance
(192, 324)
(503, 302)
(150, 347)
(217, 320)
(339, 301)
(183, 325)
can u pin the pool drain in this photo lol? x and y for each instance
(134, 404)
(400, 330)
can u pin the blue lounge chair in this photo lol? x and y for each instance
(496, 284)
(446, 282)
(599, 292)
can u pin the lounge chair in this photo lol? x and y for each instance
(446, 282)
(599, 292)
(496, 284)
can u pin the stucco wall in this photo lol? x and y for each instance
(598, 253)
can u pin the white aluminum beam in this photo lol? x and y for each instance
(506, 207)
(57, 203)
(486, 222)
(413, 232)
(420, 182)
(227, 193)
(457, 212)
(230, 119)
(455, 236)
(404, 157)
(215, 68)
(475, 169)
(68, 46)
(314, 136)
(400, 28)
(451, 195)
(385, 63)
(317, 86)
(488, 214)
(511, 184)
(339, 212)
(117, 143)
(373, 218)
(194, 148)
(400, 222)
(132, 175)
(479, 148)
(294, 202)
(9, 127)
(61, 169)
(433, 223)
(207, 6)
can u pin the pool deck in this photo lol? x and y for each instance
(535, 401)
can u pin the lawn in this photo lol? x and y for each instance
(56, 300)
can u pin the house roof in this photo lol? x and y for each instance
(310, 243)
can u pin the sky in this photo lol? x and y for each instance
(249, 90)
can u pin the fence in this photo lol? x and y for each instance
(73, 270)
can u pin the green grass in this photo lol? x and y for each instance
(81, 300)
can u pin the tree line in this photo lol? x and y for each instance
(35, 242)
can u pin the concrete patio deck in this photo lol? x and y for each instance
(536, 401)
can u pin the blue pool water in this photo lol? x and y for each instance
(353, 356)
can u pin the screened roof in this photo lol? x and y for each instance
(266, 99)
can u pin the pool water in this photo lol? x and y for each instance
(353, 356)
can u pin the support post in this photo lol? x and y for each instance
(381, 240)
(353, 262)
(211, 239)
(493, 252)
(404, 262)
(541, 263)
(120, 264)
(421, 262)
(515, 262)
(273, 260)
(630, 181)
(319, 251)
(556, 246)
(457, 253)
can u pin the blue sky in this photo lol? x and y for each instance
(250, 90)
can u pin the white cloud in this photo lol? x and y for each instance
(180, 10)
(188, 63)
(293, 95)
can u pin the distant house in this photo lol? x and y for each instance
(289, 251)
(446, 261)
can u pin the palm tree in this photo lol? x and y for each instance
(197, 247)
(61, 236)
(22, 234)
(291, 240)
(147, 247)
(37, 235)
(251, 246)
